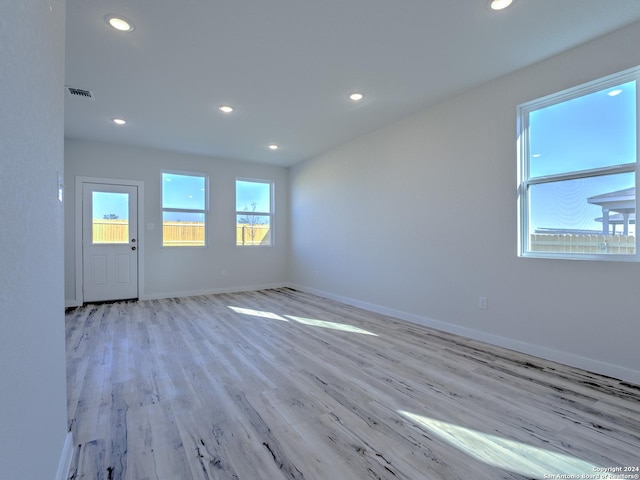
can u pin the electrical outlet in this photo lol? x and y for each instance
(482, 303)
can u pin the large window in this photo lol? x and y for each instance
(184, 209)
(254, 212)
(577, 176)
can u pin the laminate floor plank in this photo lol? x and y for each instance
(281, 384)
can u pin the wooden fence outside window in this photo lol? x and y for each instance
(583, 243)
(178, 233)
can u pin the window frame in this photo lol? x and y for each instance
(205, 212)
(270, 214)
(524, 181)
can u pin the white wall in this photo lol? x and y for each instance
(173, 271)
(33, 407)
(419, 220)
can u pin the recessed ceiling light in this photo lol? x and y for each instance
(225, 108)
(500, 4)
(356, 97)
(118, 121)
(615, 93)
(273, 146)
(119, 23)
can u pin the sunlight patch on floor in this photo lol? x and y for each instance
(258, 313)
(332, 325)
(313, 322)
(517, 457)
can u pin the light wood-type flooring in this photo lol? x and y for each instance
(280, 384)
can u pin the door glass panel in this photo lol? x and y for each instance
(110, 214)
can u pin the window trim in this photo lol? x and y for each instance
(270, 214)
(186, 210)
(524, 181)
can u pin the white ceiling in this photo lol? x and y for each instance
(287, 66)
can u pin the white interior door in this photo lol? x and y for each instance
(109, 242)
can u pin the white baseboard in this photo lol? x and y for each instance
(577, 361)
(65, 458)
(194, 293)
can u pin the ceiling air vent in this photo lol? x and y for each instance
(79, 93)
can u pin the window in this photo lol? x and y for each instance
(110, 214)
(185, 201)
(254, 212)
(577, 176)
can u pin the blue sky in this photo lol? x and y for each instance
(248, 192)
(185, 191)
(592, 131)
(107, 203)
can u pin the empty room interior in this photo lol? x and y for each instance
(355, 239)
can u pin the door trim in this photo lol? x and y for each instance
(78, 230)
